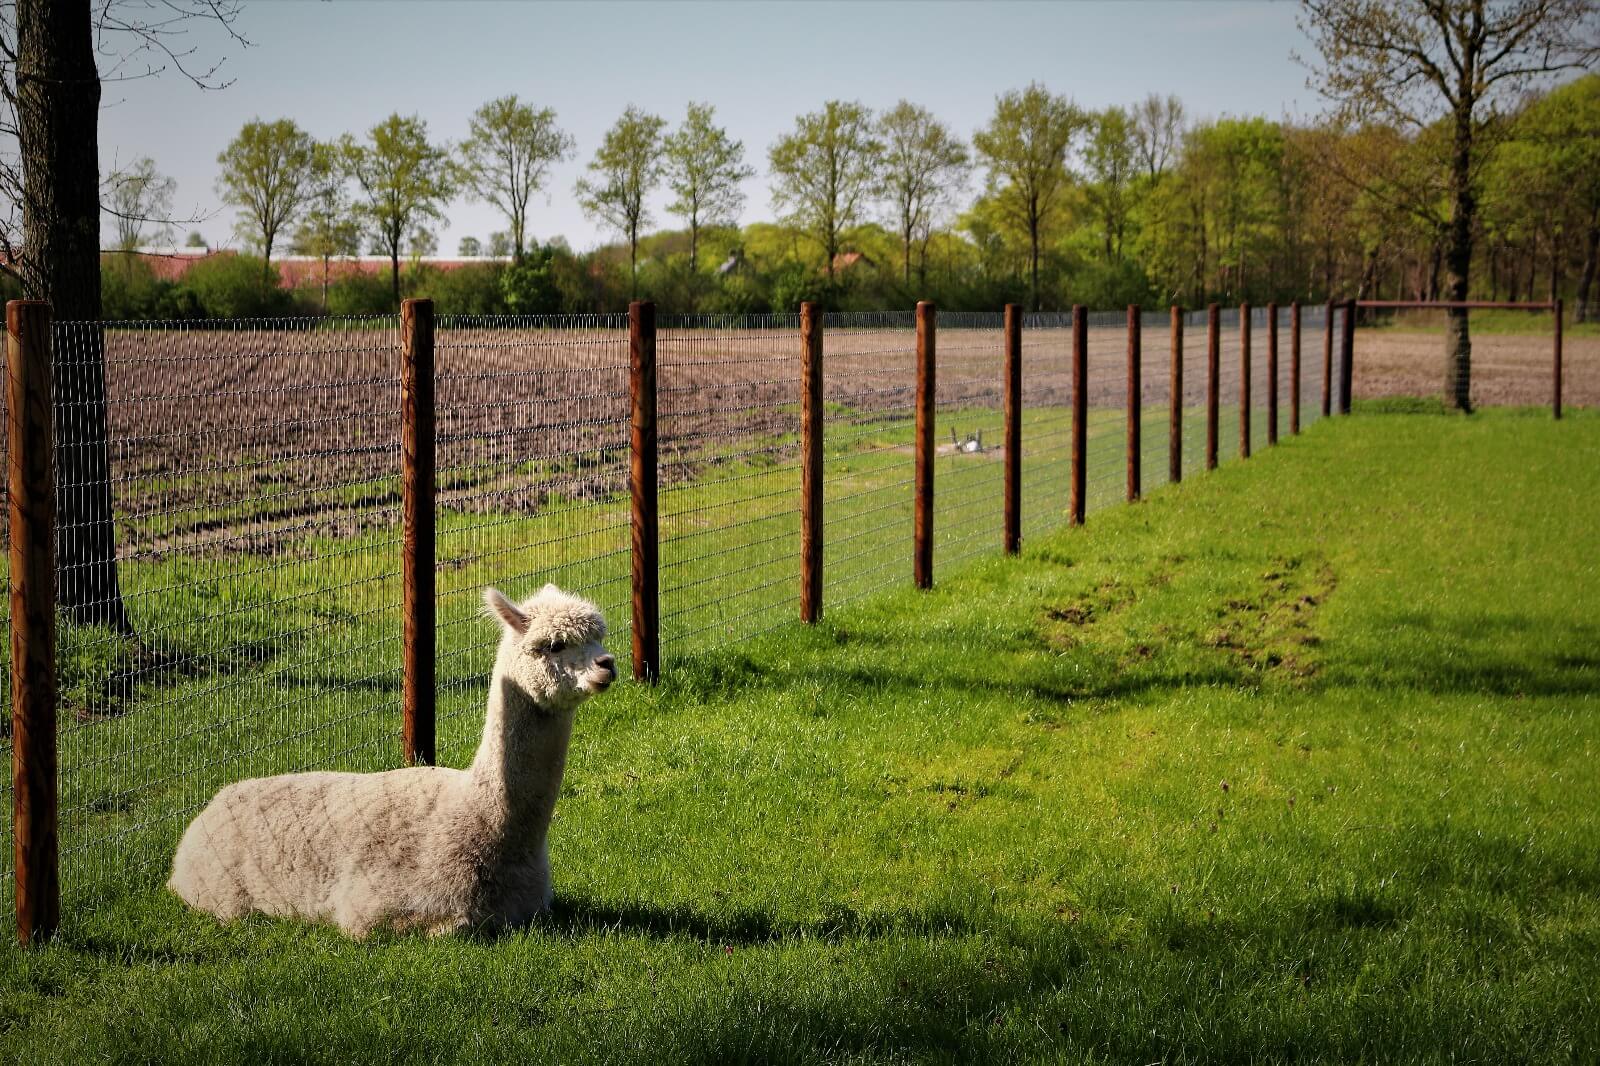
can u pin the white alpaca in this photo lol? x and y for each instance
(425, 847)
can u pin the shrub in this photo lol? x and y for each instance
(237, 286)
(361, 294)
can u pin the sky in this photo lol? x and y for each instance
(341, 67)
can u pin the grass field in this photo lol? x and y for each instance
(1294, 761)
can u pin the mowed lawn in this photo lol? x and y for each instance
(1298, 760)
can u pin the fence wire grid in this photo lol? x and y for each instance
(250, 485)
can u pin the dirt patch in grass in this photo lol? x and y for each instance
(1274, 628)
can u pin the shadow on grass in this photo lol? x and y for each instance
(579, 916)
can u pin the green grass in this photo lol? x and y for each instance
(1295, 761)
(1537, 323)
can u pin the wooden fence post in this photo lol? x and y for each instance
(1327, 360)
(1347, 352)
(1175, 405)
(922, 531)
(810, 462)
(1135, 397)
(1213, 385)
(645, 520)
(1272, 373)
(1555, 395)
(1080, 412)
(417, 443)
(1244, 381)
(1013, 416)
(1294, 367)
(32, 488)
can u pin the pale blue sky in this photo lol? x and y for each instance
(338, 67)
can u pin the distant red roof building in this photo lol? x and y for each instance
(294, 271)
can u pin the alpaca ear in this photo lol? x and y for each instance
(497, 606)
(549, 586)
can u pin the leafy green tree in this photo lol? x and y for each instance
(923, 166)
(469, 248)
(329, 226)
(267, 174)
(626, 167)
(507, 156)
(1110, 162)
(825, 172)
(1412, 61)
(704, 168)
(1025, 150)
(405, 182)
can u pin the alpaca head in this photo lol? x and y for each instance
(552, 647)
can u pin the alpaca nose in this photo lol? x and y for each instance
(607, 662)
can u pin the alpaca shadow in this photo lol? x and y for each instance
(575, 917)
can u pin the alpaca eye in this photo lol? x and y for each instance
(557, 647)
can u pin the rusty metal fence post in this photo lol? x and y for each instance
(1013, 417)
(810, 462)
(1272, 373)
(1175, 403)
(1294, 367)
(32, 488)
(1327, 359)
(1080, 413)
(644, 524)
(1555, 394)
(1244, 381)
(1213, 385)
(922, 531)
(1135, 398)
(417, 443)
(1347, 351)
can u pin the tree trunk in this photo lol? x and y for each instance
(633, 261)
(1591, 249)
(394, 273)
(1458, 266)
(324, 284)
(1033, 259)
(266, 260)
(58, 110)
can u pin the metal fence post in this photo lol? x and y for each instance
(1135, 398)
(810, 462)
(1244, 381)
(1213, 384)
(1175, 404)
(1555, 393)
(1013, 417)
(32, 488)
(1272, 373)
(1294, 367)
(1080, 412)
(417, 443)
(922, 532)
(1327, 360)
(644, 522)
(1347, 351)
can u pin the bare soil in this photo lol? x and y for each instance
(1507, 370)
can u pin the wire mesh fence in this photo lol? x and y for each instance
(243, 615)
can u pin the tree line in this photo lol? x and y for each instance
(1047, 204)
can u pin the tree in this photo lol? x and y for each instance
(404, 180)
(1025, 149)
(469, 248)
(329, 226)
(1109, 160)
(267, 175)
(1157, 132)
(139, 201)
(923, 165)
(500, 244)
(825, 171)
(1416, 60)
(704, 168)
(627, 167)
(507, 156)
(196, 239)
(54, 176)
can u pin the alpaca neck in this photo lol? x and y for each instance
(516, 774)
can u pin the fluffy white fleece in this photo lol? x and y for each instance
(425, 847)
